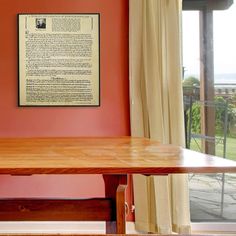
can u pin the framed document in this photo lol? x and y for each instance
(59, 61)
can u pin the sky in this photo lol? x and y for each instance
(224, 41)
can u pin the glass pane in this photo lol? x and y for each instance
(212, 197)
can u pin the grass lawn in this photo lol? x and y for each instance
(230, 148)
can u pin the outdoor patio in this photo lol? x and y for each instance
(205, 198)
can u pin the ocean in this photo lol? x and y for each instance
(219, 78)
(225, 79)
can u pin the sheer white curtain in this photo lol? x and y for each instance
(161, 203)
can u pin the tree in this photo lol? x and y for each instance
(191, 81)
(191, 87)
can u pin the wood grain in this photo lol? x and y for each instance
(120, 209)
(121, 155)
(113, 186)
(57, 210)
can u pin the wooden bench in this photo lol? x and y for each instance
(110, 209)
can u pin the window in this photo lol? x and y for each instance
(212, 197)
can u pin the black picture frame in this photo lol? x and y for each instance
(43, 27)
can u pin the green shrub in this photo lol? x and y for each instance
(219, 116)
(196, 118)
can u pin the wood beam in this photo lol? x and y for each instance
(210, 4)
(207, 78)
(219, 4)
(192, 5)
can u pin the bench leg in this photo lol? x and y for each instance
(115, 186)
(120, 210)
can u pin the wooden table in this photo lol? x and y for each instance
(114, 158)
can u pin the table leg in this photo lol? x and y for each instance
(115, 186)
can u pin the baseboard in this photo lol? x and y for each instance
(214, 227)
(78, 227)
(58, 227)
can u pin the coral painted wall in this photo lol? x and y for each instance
(110, 119)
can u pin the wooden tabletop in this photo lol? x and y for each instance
(123, 155)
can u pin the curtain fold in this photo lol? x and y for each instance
(162, 202)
